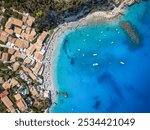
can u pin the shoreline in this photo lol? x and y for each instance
(60, 31)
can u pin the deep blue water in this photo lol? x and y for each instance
(121, 81)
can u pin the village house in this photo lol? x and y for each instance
(24, 76)
(8, 24)
(3, 36)
(7, 102)
(30, 21)
(13, 58)
(27, 60)
(38, 55)
(42, 37)
(4, 57)
(21, 43)
(11, 40)
(20, 103)
(37, 68)
(18, 54)
(6, 85)
(11, 51)
(29, 72)
(38, 46)
(30, 50)
(24, 36)
(16, 66)
(33, 91)
(24, 19)
(16, 22)
(9, 31)
(28, 30)
(17, 31)
(14, 82)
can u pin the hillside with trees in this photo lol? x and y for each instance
(50, 13)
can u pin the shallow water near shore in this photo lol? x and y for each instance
(102, 70)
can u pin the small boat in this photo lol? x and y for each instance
(78, 49)
(95, 64)
(95, 54)
(121, 62)
(83, 54)
(112, 42)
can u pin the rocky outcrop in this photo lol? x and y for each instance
(131, 32)
(64, 94)
(55, 18)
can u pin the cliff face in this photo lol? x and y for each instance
(79, 9)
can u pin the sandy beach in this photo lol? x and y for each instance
(53, 47)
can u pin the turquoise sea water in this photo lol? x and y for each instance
(101, 69)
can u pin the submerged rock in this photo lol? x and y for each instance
(97, 104)
(65, 94)
(72, 61)
(131, 32)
